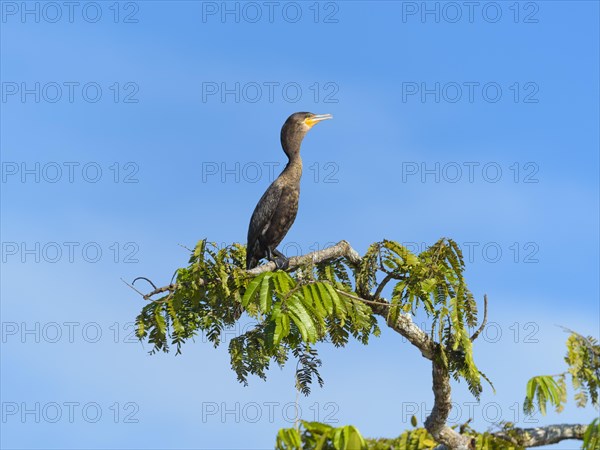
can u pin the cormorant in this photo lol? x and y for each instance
(276, 210)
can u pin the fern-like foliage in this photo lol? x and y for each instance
(591, 438)
(432, 281)
(320, 436)
(583, 359)
(545, 389)
(317, 303)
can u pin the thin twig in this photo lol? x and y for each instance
(160, 290)
(360, 299)
(483, 324)
(132, 287)
(187, 248)
(145, 279)
(385, 281)
(170, 288)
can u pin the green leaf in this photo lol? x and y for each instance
(338, 439)
(160, 320)
(177, 326)
(340, 307)
(353, 439)
(140, 332)
(324, 296)
(311, 295)
(317, 427)
(393, 314)
(302, 319)
(252, 289)
(288, 439)
(282, 325)
(529, 395)
(284, 283)
(266, 294)
(591, 437)
(428, 285)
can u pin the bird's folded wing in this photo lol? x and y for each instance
(264, 212)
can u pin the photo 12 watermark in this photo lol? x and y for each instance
(492, 413)
(271, 12)
(253, 172)
(470, 92)
(68, 332)
(491, 252)
(470, 12)
(269, 412)
(517, 172)
(71, 252)
(88, 172)
(495, 332)
(69, 92)
(70, 412)
(269, 92)
(70, 12)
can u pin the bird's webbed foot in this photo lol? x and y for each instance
(280, 260)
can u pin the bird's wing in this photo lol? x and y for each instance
(263, 213)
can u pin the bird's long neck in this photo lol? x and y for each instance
(293, 169)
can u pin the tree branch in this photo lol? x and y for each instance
(169, 288)
(536, 437)
(404, 325)
(341, 249)
(385, 281)
(442, 404)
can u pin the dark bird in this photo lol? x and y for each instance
(276, 210)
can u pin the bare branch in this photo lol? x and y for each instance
(187, 248)
(145, 279)
(341, 249)
(385, 281)
(132, 287)
(169, 288)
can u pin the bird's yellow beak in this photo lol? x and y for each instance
(311, 121)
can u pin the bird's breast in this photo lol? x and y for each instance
(290, 199)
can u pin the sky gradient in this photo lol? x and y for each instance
(129, 128)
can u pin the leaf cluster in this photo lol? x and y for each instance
(591, 437)
(319, 436)
(325, 302)
(583, 360)
(292, 313)
(432, 282)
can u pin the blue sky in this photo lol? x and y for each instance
(482, 128)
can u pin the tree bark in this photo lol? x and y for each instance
(536, 437)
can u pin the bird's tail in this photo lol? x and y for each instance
(251, 261)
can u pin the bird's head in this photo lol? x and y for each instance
(295, 128)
